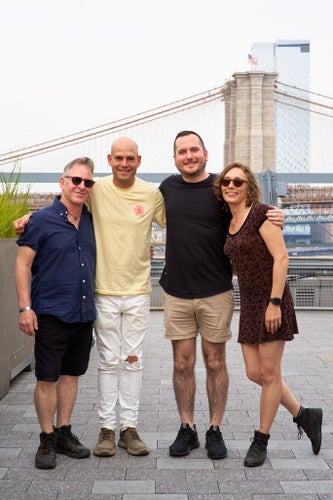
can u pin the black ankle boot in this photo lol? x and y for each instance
(309, 420)
(67, 443)
(257, 453)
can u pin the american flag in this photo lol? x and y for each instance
(252, 59)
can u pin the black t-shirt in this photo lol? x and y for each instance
(196, 265)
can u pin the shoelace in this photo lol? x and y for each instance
(213, 435)
(71, 436)
(257, 445)
(300, 432)
(183, 432)
(46, 446)
(134, 433)
(106, 433)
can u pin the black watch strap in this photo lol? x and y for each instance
(275, 300)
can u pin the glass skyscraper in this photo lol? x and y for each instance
(291, 60)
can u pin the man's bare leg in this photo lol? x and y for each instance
(184, 356)
(45, 398)
(217, 381)
(67, 388)
(184, 352)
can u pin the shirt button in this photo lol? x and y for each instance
(83, 281)
(84, 297)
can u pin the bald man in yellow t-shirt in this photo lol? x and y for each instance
(123, 209)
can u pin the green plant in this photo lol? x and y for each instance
(13, 202)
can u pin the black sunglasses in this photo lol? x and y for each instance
(237, 182)
(77, 181)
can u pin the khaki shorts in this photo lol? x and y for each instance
(210, 316)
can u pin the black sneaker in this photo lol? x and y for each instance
(45, 456)
(214, 443)
(186, 440)
(68, 444)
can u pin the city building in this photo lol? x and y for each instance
(291, 60)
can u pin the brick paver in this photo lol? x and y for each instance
(291, 471)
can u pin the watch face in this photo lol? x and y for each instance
(276, 302)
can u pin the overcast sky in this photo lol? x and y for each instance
(68, 65)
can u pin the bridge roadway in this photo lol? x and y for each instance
(49, 178)
(309, 218)
(291, 471)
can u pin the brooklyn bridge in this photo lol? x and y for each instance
(237, 122)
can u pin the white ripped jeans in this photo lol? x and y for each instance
(121, 325)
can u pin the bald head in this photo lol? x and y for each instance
(124, 160)
(124, 143)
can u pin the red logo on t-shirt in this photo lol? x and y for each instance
(139, 210)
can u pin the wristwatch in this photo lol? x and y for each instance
(27, 308)
(275, 300)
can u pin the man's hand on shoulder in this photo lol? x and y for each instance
(19, 224)
(276, 216)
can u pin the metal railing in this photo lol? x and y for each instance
(310, 282)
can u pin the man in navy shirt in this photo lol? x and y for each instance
(54, 278)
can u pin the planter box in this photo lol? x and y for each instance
(16, 352)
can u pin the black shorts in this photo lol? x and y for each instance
(61, 348)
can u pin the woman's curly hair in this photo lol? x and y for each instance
(253, 191)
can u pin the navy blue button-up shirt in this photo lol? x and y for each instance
(63, 271)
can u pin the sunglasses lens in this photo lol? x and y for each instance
(225, 182)
(88, 183)
(76, 180)
(238, 182)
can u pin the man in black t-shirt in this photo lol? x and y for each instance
(198, 295)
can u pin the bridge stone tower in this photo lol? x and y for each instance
(249, 120)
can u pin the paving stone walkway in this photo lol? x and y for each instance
(291, 471)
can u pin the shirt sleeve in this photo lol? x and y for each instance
(260, 217)
(159, 209)
(32, 236)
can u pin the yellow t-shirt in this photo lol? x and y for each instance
(122, 223)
